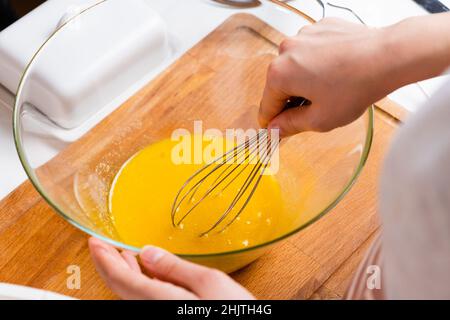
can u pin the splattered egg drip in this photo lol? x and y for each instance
(141, 200)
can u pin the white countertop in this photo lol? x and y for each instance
(374, 12)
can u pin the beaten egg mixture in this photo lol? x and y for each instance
(141, 200)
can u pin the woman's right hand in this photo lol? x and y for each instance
(342, 68)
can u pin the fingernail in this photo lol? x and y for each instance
(99, 246)
(151, 254)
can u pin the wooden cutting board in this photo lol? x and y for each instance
(38, 246)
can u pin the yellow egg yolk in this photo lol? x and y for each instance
(143, 192)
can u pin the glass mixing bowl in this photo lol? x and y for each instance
(219, 81)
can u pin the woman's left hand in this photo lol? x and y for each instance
(161, 276)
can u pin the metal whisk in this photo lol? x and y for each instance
(218, 175)
(251, 157)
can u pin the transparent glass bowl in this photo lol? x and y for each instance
(316, 169)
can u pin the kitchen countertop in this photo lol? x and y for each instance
(374, 12)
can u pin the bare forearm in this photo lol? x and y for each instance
(342, 68)
(417, 48)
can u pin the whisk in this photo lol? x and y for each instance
(219, 176)
(252, 157)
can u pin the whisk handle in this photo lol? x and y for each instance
(295, 102)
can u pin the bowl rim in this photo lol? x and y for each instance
(36, 184)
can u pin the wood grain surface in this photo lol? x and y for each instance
(38, 245)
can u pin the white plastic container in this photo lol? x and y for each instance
(113, 45)
(14, 292)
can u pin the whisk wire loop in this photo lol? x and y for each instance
(223, 172)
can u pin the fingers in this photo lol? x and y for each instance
(309, 29)
(168, 267)
(127, 283)
(293, 121)
(326, 25)
(287, 44)
(121, 273)
(274, 98)
(272, 104)
(99, 248)
(130, 259)
(205, 282)
(315, 65)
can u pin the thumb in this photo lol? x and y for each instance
(205, 282)
(168, 267)
(296, 120)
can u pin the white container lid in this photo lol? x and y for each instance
(15, 292)
(96, 57)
